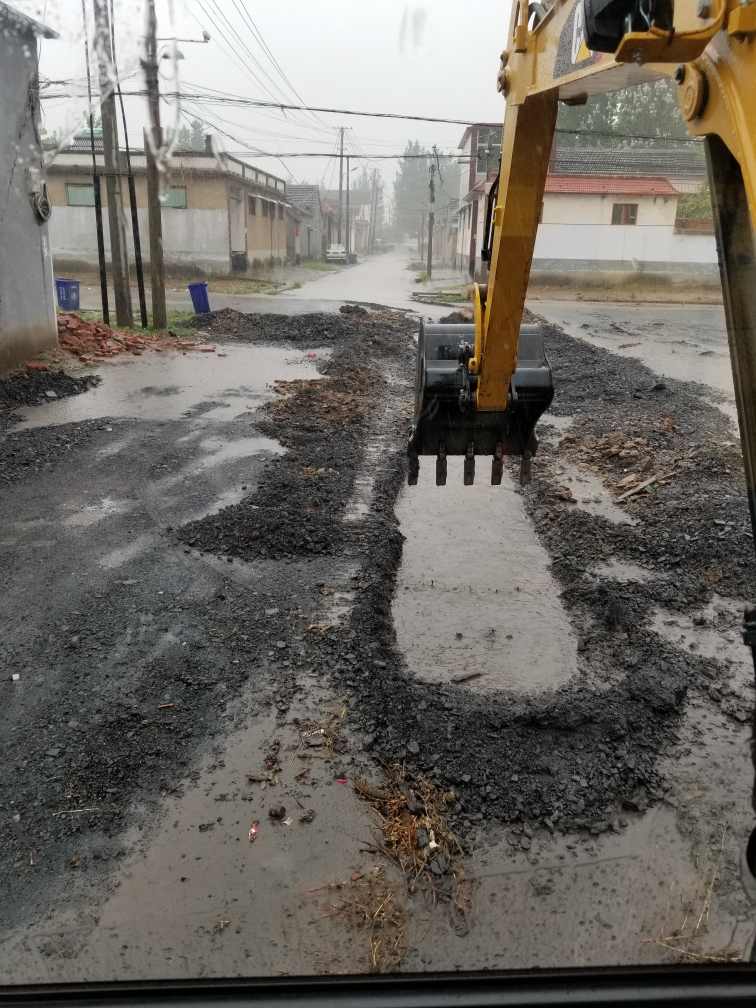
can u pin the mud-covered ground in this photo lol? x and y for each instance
(575, 759)
(104, 655)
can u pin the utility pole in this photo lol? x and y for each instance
(348, 228)
(119, 262)
(431, 217)
(157, 266)
(132, 187)
(341, 177)
(373, 205)
(96, 185)
(421, 237)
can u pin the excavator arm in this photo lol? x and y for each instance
(482, 388)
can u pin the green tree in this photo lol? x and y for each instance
(191, 137)
(361, 181)
(695, 206)
(411, 190)
(649, 110)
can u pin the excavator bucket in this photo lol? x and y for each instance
(446, 424)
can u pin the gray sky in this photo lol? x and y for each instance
(437, 59)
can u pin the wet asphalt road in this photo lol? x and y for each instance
(169, 442)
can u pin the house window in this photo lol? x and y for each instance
(280, 211)
(624, 213)
(252, 204)
(80, 195)
(176, 198)
(264, 205)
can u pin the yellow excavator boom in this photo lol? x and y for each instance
(481, 389)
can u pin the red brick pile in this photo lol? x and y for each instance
(90, 340)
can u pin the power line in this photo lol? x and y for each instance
(220, 99)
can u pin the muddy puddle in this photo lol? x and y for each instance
(168, 386)
(195, 897)
(714, 632)
(474, 591)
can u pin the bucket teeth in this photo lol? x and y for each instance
(497, 466)
(525, 476)
(441, 466)
(469, 473)
(413, 468)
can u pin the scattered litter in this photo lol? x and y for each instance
(276, 811)
(68, 810)
(288, 822)
(267, 777)
(36, 366)
(162, 705)
(464, 676)
(302, 773)
(15, 677)
(252, 832)
(307, 816)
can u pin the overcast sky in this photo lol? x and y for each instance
(434, 59)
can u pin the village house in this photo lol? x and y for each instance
(480, 148)
(607, 214)
(218, 218)
(360, 207)
(613, 214)
(305, 229)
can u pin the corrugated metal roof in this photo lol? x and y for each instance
(611, 185)
(603, 161)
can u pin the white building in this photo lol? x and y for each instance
(607, 214)
(617, 227)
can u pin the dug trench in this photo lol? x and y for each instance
(301, 588)
(583, 757)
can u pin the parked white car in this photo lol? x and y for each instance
(336, 253)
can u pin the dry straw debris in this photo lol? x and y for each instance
(412, 811)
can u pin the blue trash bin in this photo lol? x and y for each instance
(68, 293)
(200, 300)
(352, 257)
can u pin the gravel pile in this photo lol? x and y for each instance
(374, 328)
(35, 387)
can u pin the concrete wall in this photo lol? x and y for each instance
(194, 239)
(27, 298)
(617, 242)
(596, 208)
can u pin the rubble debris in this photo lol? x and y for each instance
(406, 820)
(276, 811)
(659, 478)
(91, 341)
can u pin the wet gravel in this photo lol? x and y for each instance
(96, 666)
(580, 757)
(35, 387)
